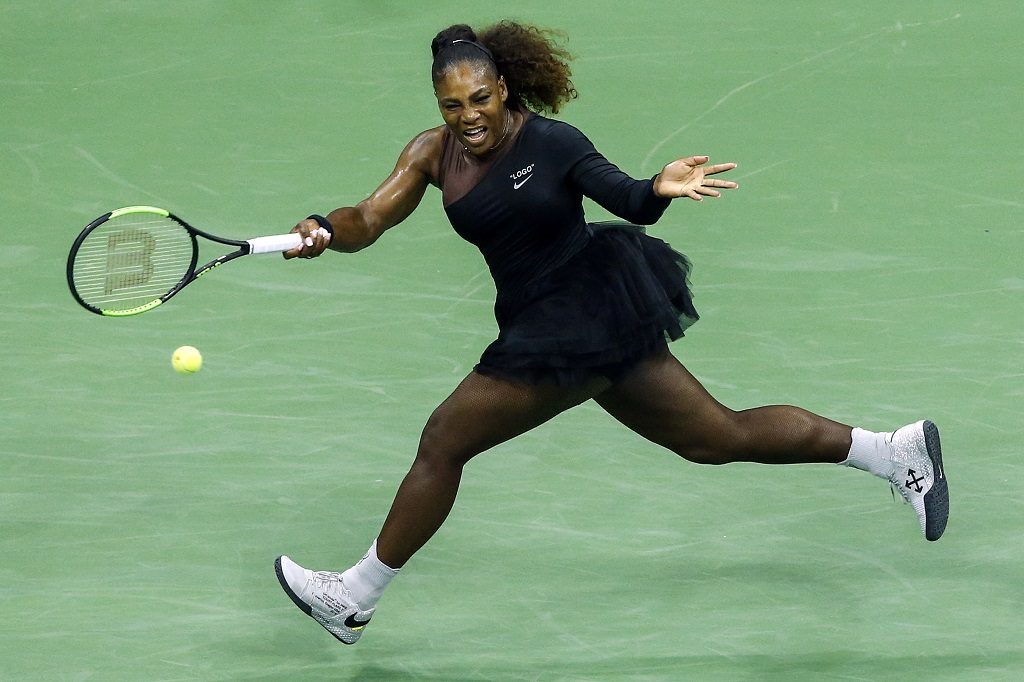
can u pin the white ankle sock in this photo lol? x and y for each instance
(870, 452)
(368, 578)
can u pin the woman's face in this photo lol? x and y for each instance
(472, 104)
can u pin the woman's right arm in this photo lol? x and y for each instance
(356, 227)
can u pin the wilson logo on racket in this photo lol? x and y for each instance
(129, 260)
(133, 259)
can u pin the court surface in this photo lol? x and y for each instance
(870, 268)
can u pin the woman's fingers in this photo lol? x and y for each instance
(314, 240)
(719, 168)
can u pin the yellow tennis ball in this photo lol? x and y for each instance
(187, 360)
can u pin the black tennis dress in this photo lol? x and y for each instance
(574, 300)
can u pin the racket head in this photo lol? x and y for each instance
(131, 260)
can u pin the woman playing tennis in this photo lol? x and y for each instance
(584, 311)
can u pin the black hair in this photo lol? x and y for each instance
(535, 68)
(455, 44)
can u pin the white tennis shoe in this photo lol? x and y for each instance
(918, 475)
(323, 597)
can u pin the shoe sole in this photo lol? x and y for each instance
(936, 500)
(306, 608)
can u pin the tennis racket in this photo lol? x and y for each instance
(131, 260)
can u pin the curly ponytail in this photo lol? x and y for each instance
(535, 67)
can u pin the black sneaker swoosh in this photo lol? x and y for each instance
(351, 622)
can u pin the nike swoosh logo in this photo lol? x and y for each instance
(522, 182)
(351, 622)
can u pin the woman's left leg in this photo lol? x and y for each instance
(659, 399)
(663, 402)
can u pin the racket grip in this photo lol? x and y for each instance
(279, 242)
(274, 244)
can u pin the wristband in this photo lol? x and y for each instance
(322, 222)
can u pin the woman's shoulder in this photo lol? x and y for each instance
(560, 138)
(424, 152)
(549, 126)
(427, 144)
(554, 130)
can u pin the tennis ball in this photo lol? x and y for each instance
(187, 360)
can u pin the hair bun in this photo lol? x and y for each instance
(445, 37)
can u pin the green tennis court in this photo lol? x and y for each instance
(870, 268)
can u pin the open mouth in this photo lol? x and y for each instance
(475, 135)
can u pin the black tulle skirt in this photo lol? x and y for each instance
(611, 305)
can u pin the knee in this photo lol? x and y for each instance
(438, 447)
(705, 455)
(702, 456)
(728, 441)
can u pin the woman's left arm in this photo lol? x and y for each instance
(638, 201)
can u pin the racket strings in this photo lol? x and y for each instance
(132, 260)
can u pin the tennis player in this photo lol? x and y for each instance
(584, 311)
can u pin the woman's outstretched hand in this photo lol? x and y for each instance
(689, 178)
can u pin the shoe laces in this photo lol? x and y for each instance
(329, 581)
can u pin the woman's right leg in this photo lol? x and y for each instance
(481, 413)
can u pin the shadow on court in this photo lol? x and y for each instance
(840, 665)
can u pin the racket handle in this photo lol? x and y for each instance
(275, 244)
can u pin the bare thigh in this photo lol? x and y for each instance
(660, 400)
(481, 413)
(484, 411)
